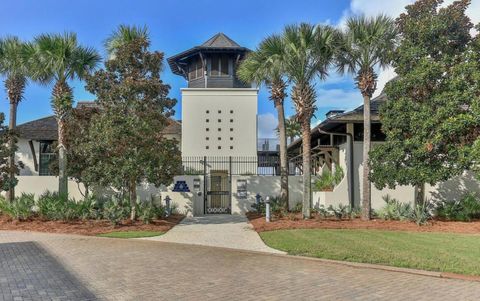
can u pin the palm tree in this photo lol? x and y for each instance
(58, 58)
(14, 66)
(308, 53)
(292, 128)
(123, 35)
(367, 44)
(264, 66)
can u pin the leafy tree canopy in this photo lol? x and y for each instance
(431, 117)
(126, 136)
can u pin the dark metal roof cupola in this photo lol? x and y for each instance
(211, 64)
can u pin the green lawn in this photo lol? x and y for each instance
(457, 253)
(131, 234)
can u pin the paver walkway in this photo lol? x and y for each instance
(227, 231)
(36, 266)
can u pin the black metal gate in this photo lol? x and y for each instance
(218, 192)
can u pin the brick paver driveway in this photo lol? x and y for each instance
(37, 266)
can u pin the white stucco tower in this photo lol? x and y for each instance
(219, 113)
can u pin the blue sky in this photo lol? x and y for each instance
(178, 25)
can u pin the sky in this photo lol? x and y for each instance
(177, 25)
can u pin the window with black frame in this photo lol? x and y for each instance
(47, 155)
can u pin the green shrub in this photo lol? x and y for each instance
(328, 180)
(90, 208)
(422, 213)
(277, 207)
(339, 212)
(20, 209)
(146, 212)
(51, 206)
(395, 210)
(116, 210)
(466, 209)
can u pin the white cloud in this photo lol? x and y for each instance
(338, 98)
(267, 123)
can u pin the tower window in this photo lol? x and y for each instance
(231, 129)
(219, 65)
(207, 111)
(231, 120)
(207, 129)
(231, 138)
(219, 120)
(219, 147)
(231, 111)
(219, 111)
(208, 120)
(207, 138)
(195, 69)
(207, 147)
(219, 138)
(231, 147)
(219, 129)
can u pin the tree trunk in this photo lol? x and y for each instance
(307, 168)
(15, 86)
(419, 195)
(133, 200)
(366, 193)
(11, 161)
(62, 98)
(62, 160)
(283, 155)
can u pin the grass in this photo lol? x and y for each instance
(443, 252)
(131, 234)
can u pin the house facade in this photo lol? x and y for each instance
(337, 142)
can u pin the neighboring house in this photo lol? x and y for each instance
(338, 141)
(36, 140)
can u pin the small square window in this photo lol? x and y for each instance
(231, 129)
(207, 129)
(231, 120)
(219, 138)
(231, 147)
(219, 147)
(219, 129)
(219, 111)
(207, 111)
(207, 147)
(207, 120)
(207, 138)
(231, 138)
(219, 120)
(231, 111)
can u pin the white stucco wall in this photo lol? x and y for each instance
(24, 154)
(37, 185)
(219, 103)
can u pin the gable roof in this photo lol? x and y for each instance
(41, 129)
(46, 128)
(220, 42)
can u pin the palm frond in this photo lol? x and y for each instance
(125, 34)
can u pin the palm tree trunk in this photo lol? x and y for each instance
(307, 168)
(283, 154)
(62, 159)
(366, 193)
(62, 98)
(11, 144)
(15, 87)
(133, 200)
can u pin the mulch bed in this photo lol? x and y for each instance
(89, 227)
(295, 221)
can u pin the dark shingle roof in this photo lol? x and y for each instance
(46, 128)
(220, 40)
(218, 43)
(40, 129)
